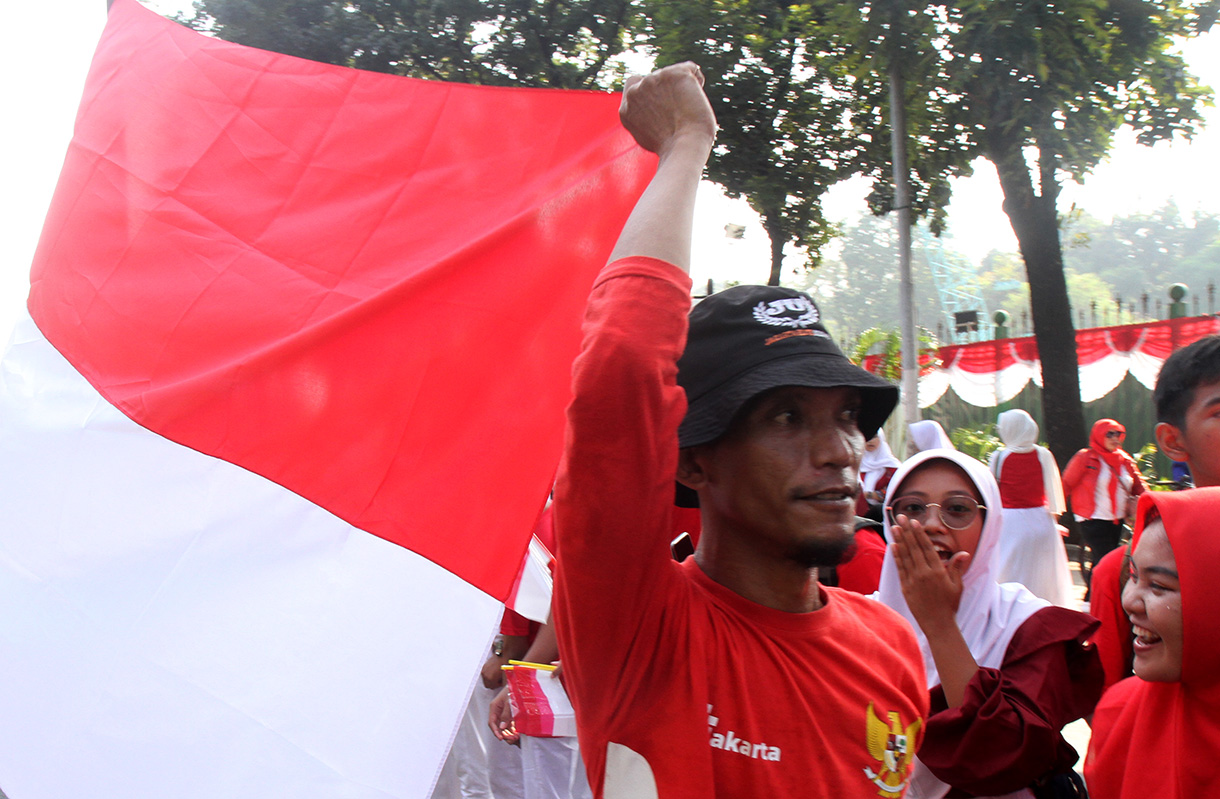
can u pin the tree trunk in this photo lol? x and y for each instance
(1035, 223)
(777, 246)
(776, 255)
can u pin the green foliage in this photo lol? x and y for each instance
(1146, 252)
(887, 343)
(1085, 292)
(1039, 89)
(1014, 80)
(569, 45)
(904, 39)
(1002, 278)
(1145, 461)
(775, 80)
(1143, 253)
(1061, 77)
(978, 444)
(857, 288)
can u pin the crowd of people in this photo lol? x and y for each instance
(849, 624)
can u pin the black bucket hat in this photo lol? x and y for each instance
(749, 339)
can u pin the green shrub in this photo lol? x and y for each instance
(978, 444)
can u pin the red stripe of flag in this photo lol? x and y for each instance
(363, 287)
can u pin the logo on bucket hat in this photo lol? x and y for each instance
(788, 312)
(733, 353)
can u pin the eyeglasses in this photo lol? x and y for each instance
(1114, 434)
(957, 513)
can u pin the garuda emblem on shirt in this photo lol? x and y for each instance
(894, 748)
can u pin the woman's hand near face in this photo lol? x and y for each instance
(933, 590)
(931, 587)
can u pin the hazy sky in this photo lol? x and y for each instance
(45, 48)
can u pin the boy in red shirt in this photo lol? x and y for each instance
(731, 674)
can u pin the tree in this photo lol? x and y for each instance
(568, 45)
(888, 40)
(1088, 294)
(1038, 89)
(781, 99)
(1145, 252)
(857, 288)
(1001, 274)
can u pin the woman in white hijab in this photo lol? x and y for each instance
(877, 467)
(1006, 670)
(1031, 548)
(928, 434)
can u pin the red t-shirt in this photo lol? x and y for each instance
(862, 572)
(676, 680)
(513, 623)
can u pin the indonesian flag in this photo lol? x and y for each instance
(290, 402)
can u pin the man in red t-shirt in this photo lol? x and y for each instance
(733, 673)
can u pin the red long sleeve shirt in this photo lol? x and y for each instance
(678, 682)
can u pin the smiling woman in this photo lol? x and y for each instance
(1152, 599)
(1169, 713)
(1006, 670)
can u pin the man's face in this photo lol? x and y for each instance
(783, 479)
(1198, 442)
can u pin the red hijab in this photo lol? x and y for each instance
(1116, 460)
(1161, 739)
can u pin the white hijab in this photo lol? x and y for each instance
(874, 463)
(1019, 432)
(989, 614)
(928, 435)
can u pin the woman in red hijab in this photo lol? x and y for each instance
(1101, 481)
(1157, 734)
